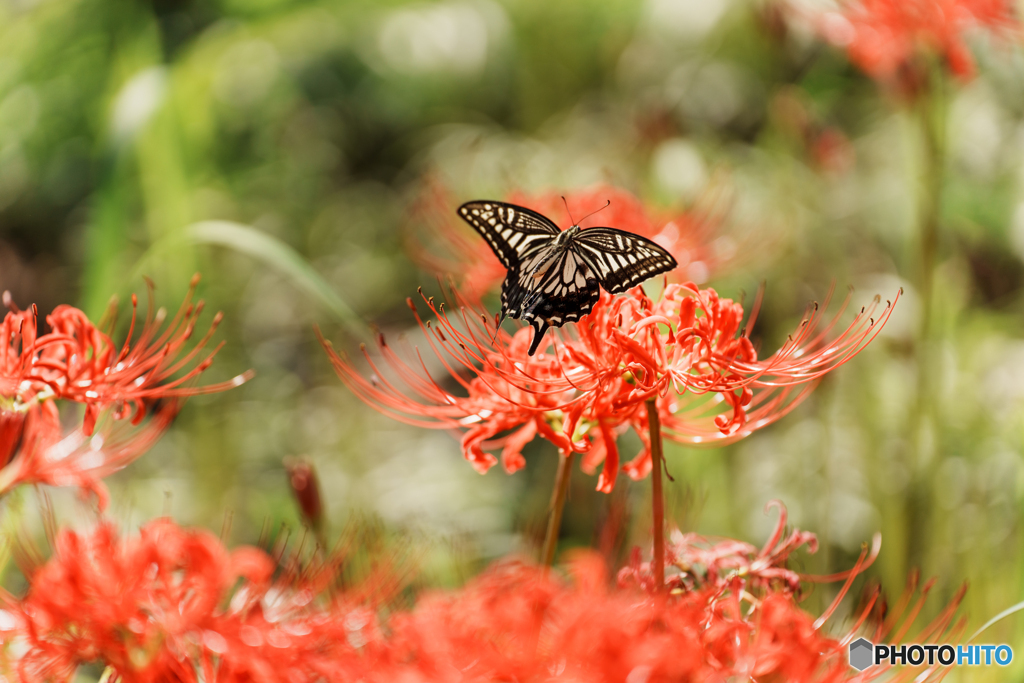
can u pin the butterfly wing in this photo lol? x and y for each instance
(563, 289)
(621, 260)
(513, 232)
(548, 286)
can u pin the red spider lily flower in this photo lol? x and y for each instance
(702, 562)
(75, 362)
(129, 605)
(445, 245)
(888, 38)
(31, 373)
(175, 604)
(157, 365)
(518, 622)
(685, 351)
(30, 366)
(49, 456)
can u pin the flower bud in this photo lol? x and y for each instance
(12, 424)
(306, 487)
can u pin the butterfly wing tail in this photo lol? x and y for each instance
(539, 328)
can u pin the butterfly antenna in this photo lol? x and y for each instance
(593, 212)
(568, 211)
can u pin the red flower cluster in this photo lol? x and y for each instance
(446, 245)
(518, 622)
(77, 362)
(173, 604)
(702, 563)
(887, 38)
(687, 351)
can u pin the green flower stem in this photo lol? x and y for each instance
(558, 497)
(931, 121)
(658, 496)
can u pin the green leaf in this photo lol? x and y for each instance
(273, 252)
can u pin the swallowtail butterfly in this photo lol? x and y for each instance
(555, 276)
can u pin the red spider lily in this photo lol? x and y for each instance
(49, 456)
(518, 622)
(887, 38)
(157, 365)
(75, 362)
(448, 246)
(684, 350)
(173, 604)
(31, 373)
(30, 366)
(703, 563)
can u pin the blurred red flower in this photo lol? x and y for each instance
(444, 244)
(77, 363)
(173, 604)
(741, 622)
(686, 350)
(887, 38)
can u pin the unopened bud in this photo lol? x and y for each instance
(306, 487)
(12, 425)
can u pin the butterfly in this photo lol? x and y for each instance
(555, 276)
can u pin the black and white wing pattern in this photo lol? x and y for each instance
(621, 259)
(512, 231)
(555, 277)
(549, 289)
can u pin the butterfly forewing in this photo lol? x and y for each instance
(513, 232)
(621, 259)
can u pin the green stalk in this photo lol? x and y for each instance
(558, 497)
(931, 120)
(658, 496)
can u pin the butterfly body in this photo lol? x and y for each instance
(555, 276)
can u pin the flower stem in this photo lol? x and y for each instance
(932, 124)
(558, 497)
(654, 426)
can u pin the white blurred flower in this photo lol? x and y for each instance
(137, 101)
(685, 18)
(446, 37)
(679, 168)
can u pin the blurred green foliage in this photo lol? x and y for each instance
(156, 138)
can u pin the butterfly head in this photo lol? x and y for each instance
(566, 236)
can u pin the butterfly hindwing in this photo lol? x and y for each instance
(564, 290)
(621, 259)
(513, 232)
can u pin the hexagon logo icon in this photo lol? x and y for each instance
(861, 654)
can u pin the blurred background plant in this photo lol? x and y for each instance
(284, 149)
